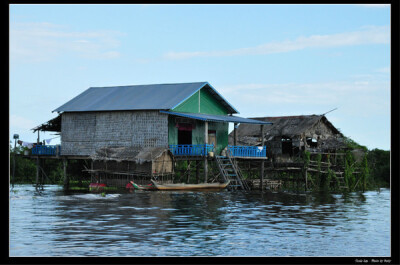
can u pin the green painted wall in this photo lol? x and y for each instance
(208, 104)
(191, 105)
(198, 133)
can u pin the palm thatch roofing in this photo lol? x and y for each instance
(136, 154)
(288, 126)
(53, 125)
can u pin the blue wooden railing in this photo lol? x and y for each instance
(50, 150)
(247, 151)
(191, 149)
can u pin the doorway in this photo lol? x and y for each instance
(287, 146)
(212, 137)
(184, 136)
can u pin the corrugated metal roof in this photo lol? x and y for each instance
(138, 97)
(215, 118)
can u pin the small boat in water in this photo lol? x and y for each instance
(143, 187)
(183, 186)
(97, 186)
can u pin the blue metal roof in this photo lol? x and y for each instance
(215, 118)
(138, 97)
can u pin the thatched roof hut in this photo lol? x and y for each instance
(290, 134)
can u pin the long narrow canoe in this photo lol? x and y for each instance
(183, 186)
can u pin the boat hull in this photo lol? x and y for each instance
(182, 186)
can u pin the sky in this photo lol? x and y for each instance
(265, 60)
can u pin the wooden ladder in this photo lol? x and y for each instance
(230, 171)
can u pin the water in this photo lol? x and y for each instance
(165, 223)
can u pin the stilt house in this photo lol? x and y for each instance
(288, 135)
(134, 125)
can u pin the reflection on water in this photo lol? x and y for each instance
(165, 223)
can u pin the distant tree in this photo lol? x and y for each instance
(379, 166)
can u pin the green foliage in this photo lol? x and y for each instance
(364, 173)
(348, 171)
(317, 180)
(353, 144)
(25, 169)
(379, 166)
(306, 157)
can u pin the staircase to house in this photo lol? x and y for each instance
(230, 171)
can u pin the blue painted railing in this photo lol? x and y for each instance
(191, 149)
(50, 150)
(247, 151)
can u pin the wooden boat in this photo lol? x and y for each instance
(183, 186)
(97, 186)
(143, 187)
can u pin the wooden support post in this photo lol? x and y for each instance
(205, 155)
(37, 163)
(235, 134)
(188, 171)
(197, 172)
(66, 178)
(42, 162)
(306, 179)
(15, 151)
(37, 171)
(91, 168)
(262, 161)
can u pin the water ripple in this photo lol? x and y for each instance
(52, 223)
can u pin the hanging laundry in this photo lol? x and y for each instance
(27, 144)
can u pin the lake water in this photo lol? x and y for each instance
(164, 223)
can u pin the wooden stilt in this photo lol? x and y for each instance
(91, 172)
(42, 174)
(235, 134)
(66, 178)
(37, 172)
(197, 172)
(188, 175)
(306, 179)
(262, 161)
(205, 155)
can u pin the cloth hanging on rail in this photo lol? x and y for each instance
(27, 144)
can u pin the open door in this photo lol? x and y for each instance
(212, 137)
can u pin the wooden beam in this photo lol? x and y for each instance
(205, 155)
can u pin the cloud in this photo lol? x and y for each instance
(356, 97)
(19, 122)
(370, 35)
(45, 41)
